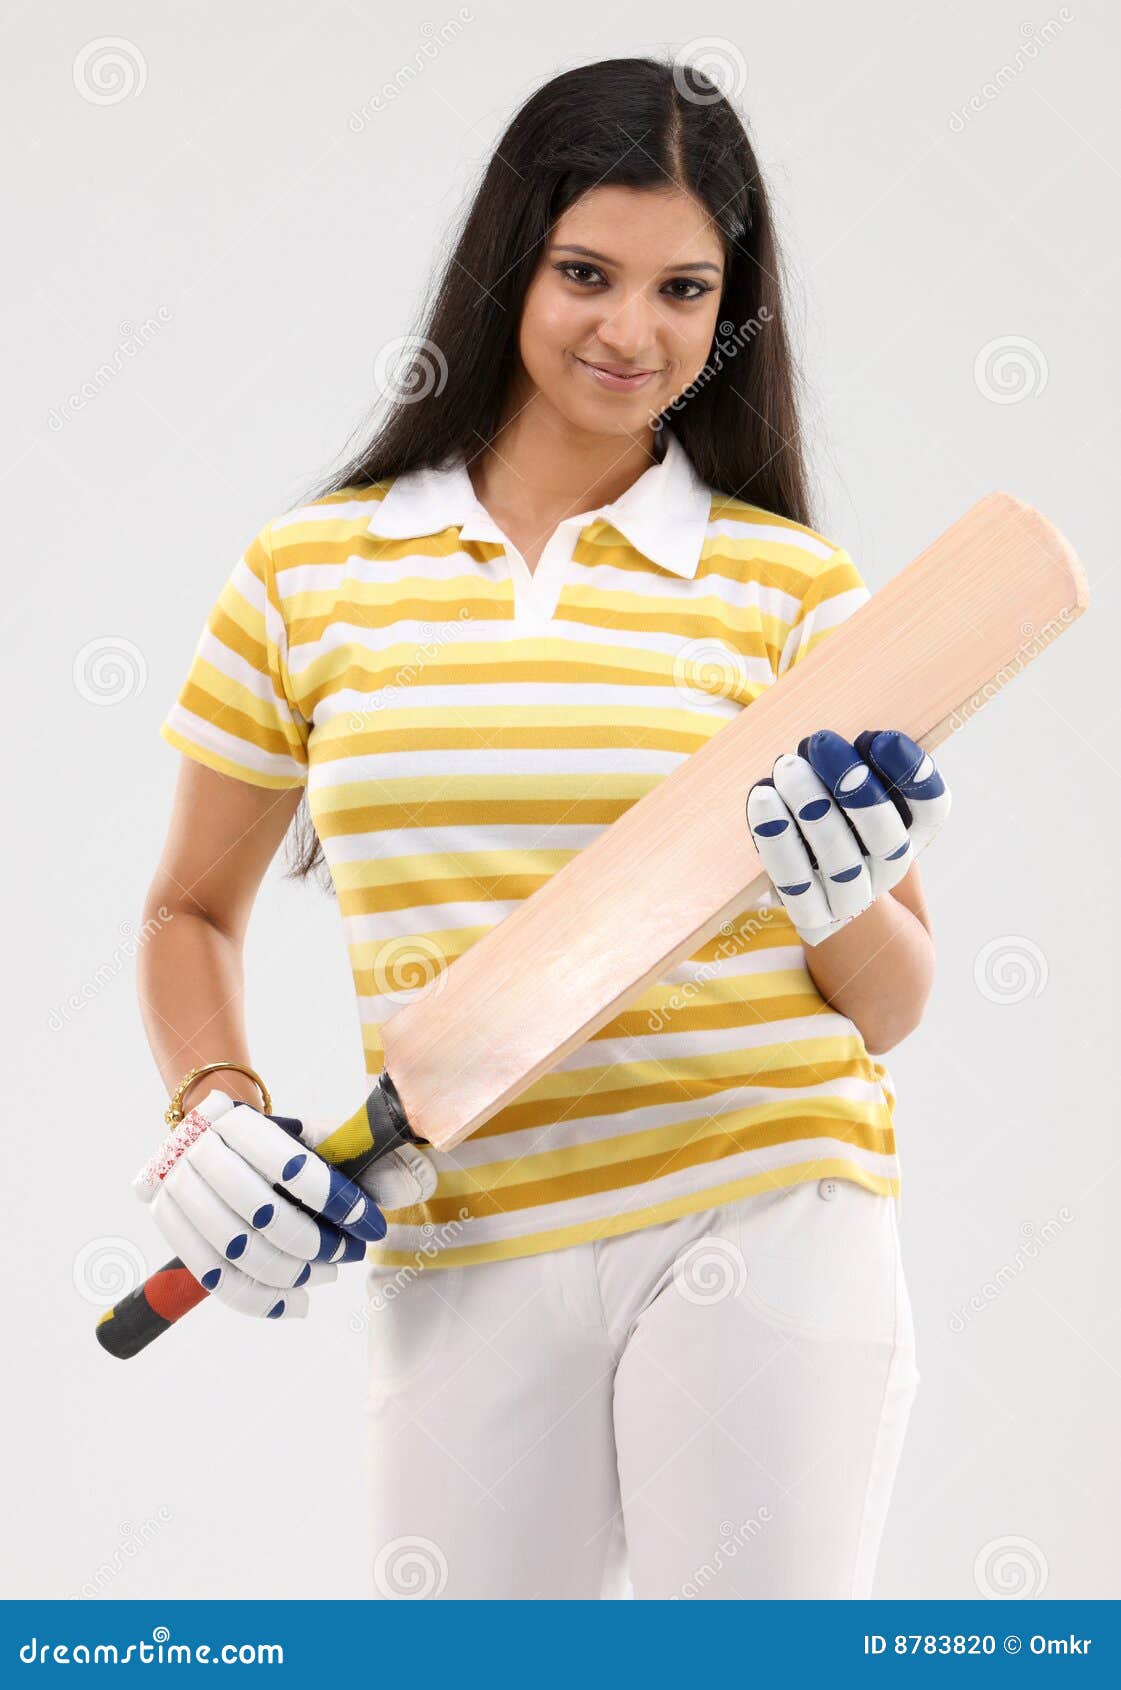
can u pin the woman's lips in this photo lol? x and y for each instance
(621, 384)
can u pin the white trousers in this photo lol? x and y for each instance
(714, 1407)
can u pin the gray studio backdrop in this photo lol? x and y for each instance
(217, 219)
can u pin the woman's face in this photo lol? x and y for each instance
(630, 280)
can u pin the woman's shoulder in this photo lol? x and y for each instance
(741, 520)
(322, 524)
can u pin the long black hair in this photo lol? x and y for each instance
(636, 123)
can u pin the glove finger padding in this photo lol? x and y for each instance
(233, 1238)
(784, 855)
(249, 1240)
(878, 829)
(222, 1279)
(913, 779)
(289, 1163)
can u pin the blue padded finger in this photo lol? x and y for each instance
(289, 1123)
(897, 758)
(352, 1210)
(831, 757)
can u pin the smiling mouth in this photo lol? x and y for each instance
(615, 377)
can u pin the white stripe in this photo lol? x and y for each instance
(831, 614)
(460, 842)
(433, 921)
(535, 760)
(602, 1205)
(572, 1132)
(231, 664)
(346, 510)
(447, 632)
(687, 596)
(237, 751)
(379, 571)
(731, 528)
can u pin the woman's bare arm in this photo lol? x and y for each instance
(222, 835)
(879, 968)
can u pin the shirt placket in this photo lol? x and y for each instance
(537, 592)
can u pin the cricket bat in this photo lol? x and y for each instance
(921, 656)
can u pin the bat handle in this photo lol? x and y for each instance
(172, 1291)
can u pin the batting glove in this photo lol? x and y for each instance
(256, 1216)
(839, 823)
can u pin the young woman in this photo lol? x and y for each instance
(650, 1322)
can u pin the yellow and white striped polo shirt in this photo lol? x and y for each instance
(464, 726)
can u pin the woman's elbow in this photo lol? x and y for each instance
(894, 1028)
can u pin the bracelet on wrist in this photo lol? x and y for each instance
(173, 1114)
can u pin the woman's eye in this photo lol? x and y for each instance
(684, 281)
(590, 270)
(567, 269)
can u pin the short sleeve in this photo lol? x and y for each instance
(835, 592)
(235, 711)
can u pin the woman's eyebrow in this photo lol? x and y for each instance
(586, 252)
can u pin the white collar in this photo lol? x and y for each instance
(664, 514)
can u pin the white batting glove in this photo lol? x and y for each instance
(256, 1216)
(840, 823)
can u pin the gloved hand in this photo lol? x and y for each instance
(840, 823)
(231, 1185)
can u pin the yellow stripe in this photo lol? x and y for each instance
(654, 1214)
(598, 1164)
(477, 590)
(212, 760)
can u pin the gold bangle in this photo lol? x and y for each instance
(173, 1114)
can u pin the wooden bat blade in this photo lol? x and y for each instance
(921, 656)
